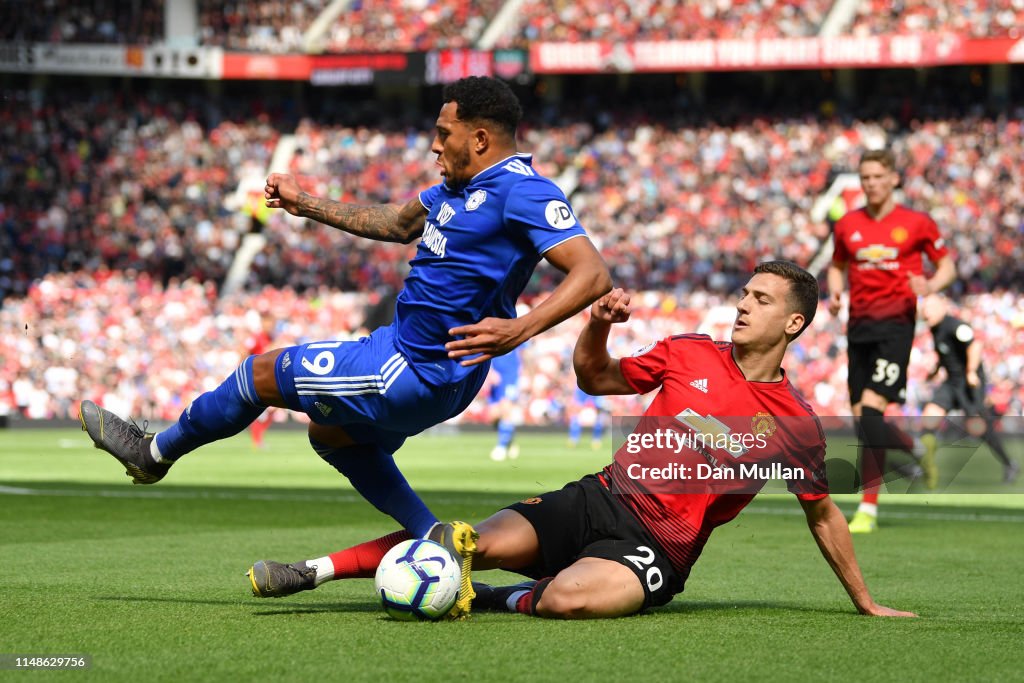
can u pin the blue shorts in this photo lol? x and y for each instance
(368, 387)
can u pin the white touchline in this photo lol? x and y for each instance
(352, 497)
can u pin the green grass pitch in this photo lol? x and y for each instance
(148, 581)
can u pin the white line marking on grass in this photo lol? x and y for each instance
(339, 497)
(346, 497)
(896, 514)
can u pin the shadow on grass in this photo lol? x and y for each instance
(306, 608)
(743, 607)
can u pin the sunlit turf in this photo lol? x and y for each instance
(149, 581)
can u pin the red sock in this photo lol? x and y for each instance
(871, 467)
(527, 603)
(257, 428)
(360, 561)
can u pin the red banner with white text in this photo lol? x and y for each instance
(888, 51)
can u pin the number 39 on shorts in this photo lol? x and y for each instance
(323, 362)
(884, 370)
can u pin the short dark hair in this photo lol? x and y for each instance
(480, 99)
(803, 288)
(883, 156)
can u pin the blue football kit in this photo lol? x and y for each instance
(480, 245)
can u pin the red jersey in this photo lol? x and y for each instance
(699, 380)
(881, 255)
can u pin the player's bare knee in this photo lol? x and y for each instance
(565, 599)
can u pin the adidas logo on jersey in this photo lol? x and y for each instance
(700, 384)
(286, 361)
(856, 237)
(518, 166)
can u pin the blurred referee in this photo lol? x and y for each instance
(964, 387)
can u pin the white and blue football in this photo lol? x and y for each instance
(418, 580)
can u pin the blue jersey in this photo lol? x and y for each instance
(479, 247)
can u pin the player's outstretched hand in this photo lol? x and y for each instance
(877, 610)
(613, 307)
(490, 337)
(282, 192)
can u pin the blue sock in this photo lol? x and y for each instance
(575, 429)
(217, 414)
(506, 430)
(373, 473)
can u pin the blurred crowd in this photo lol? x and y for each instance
(147, 198)
(275, 26)
(145, 350)
(410, 25)
(166, 186)
(279, 26)
(974, 18)
(618, 20)
(122, 182)
(134, 22)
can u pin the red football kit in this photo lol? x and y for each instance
(702, 390)
(881, 255)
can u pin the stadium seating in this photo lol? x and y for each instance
(977, 18)
(399, 25)
(139, 348)
(121, 183)
(275, 26)
(81, 21)
(617, 20)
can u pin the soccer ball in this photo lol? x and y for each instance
(418, 580)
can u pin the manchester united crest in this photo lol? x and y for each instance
(763, 423)
(899, 234)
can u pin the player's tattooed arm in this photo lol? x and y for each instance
(384, 222)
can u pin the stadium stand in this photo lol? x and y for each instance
(617, 20)
(979, 18)
(276, 26)
(137, 182)
(117, 201)
(399, 25)
(82, 21)
(123, 339)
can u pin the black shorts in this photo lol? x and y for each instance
(583, 519)
(958, 395)
(880, 364)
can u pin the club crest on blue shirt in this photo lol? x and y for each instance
(476, 199)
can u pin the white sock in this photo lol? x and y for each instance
(513, 599)
(870, 508)
(154, 450)
(324, 569)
